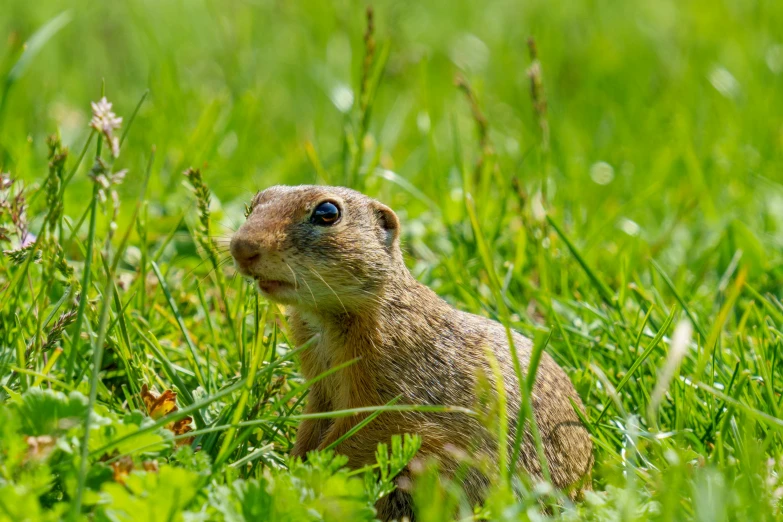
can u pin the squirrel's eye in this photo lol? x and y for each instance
(325, 214)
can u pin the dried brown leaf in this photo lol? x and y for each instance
(121, 468)
(160, 405)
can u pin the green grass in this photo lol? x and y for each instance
(637, 190)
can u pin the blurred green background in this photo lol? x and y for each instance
(666, 117)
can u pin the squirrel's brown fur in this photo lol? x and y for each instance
(347, 285)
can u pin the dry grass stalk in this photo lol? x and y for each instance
(537, 92)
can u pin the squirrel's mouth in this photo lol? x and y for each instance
(272, 287)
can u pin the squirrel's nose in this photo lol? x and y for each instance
(244, 251)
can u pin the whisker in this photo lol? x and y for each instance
(296, 284)
(376, 298)
(315, 301)
(329, 287)
(233, 228)
(220, 263)
(192, 271)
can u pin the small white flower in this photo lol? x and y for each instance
(103, 119)
(106, 181)
(118, 177)
(106, 122)
(103, 181)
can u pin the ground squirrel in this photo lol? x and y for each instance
(332, 256)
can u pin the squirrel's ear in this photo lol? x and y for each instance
(388, 222)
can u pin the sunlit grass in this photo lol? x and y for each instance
(611, 189)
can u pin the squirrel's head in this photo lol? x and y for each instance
(324, 248)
